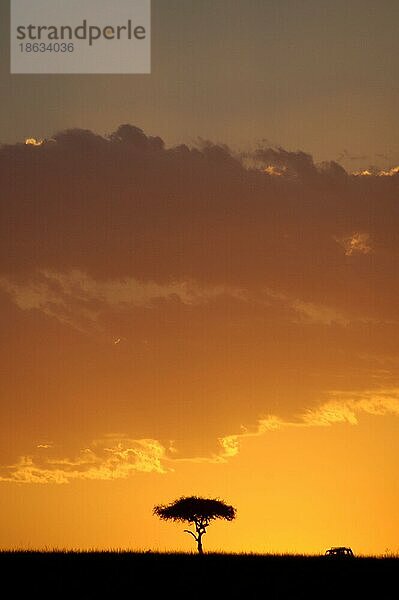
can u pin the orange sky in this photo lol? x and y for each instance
(199, 283)
(298, 490)
(180, 321)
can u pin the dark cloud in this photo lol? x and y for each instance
(125, 205)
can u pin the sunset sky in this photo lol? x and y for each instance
(199, 284)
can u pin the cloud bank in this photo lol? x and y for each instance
(125, 206)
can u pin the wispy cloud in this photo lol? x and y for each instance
(309, 312)
(116, 456)
(341, 407)
(356, 243)
(316, 313)
(106, 459)
(76, 299)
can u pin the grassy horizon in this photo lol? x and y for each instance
(149, 552)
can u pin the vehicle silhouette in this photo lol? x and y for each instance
(340, 551)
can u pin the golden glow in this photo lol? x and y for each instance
(275, 171)
(389, 172)
(377, 173)
(34, 142)
(298, 489)
(356, 243)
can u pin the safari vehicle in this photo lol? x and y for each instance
(340, 551)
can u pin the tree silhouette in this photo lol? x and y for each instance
(197, 511)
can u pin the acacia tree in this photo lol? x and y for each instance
(197, 511)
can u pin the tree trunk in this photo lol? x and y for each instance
(199, 543)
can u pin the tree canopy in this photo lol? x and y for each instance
(192, 508)
(197, 510)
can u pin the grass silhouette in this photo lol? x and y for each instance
(213, 575)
